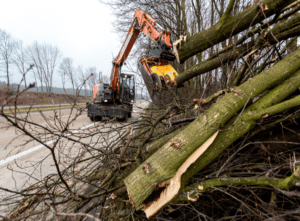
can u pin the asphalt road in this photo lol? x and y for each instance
(24, 161)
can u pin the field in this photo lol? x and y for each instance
(39, 98)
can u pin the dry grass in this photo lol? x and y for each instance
(36, 98)
(34, 109)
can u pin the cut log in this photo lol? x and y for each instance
(165, 162)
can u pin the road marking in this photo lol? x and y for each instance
(14, 157)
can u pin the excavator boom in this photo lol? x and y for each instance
(146, 24)
(117, 98)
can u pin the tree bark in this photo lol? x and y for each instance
(164, 163)
(286, 183)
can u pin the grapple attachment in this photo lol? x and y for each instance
(159, 80)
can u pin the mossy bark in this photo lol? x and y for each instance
(285, 183)
(155, 145)
(164, 163)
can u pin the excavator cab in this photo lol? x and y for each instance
(127, 83)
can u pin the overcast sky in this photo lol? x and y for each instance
(81, 29)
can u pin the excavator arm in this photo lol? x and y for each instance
(116, 99)
(146, 24)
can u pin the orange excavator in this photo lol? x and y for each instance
(116, 99)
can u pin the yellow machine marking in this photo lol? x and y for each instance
(164, 70)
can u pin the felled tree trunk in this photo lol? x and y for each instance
(166, 161)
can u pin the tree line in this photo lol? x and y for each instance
(56, 90)
(42, 62)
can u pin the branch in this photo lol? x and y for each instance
(226, 15)
(209, 99)
(78, 214)
(204, 186)
(151, 132)
(276, 108)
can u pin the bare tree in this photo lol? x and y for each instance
(45, 57)
(82, 78)
(7, 46)
(92, 75)
(68, 73)
(20, 60)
